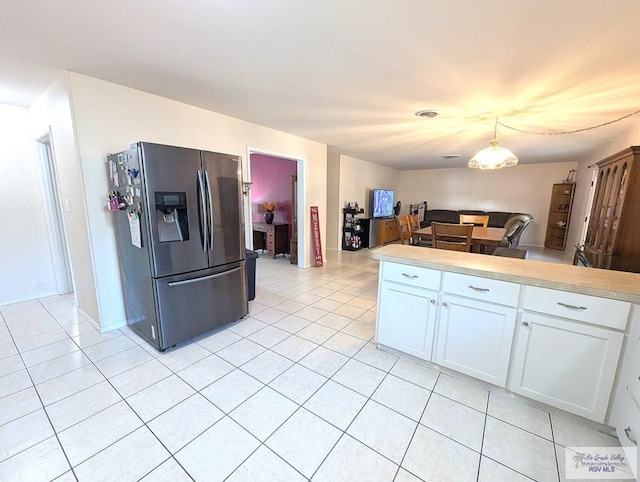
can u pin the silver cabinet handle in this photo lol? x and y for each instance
(627, 432)
(410, 276)
(433, 302)
(525, 323)
(475, 288)
(572, 307)
(445, 304)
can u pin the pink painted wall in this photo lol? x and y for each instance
(271, 177)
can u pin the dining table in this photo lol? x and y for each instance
(481, 236)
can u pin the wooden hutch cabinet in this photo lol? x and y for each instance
(613, 235)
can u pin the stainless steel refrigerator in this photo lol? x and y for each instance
(180, 238)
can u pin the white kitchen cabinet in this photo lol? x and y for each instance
(407, 318)
(566, 364)
(625, 408)
(475, 337)
(557, 343)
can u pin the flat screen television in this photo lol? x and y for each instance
(382, 203)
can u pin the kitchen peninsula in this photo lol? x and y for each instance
(550, 332)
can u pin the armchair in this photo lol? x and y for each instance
(515, 225)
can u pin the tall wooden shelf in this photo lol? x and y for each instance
(559, 216)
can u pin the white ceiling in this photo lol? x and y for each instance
(352, 73)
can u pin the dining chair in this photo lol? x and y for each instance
(404, 226)
(414, 220)
(454, 237)
(476, 220)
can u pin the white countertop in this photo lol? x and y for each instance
(616, 285)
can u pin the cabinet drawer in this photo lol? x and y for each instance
(411, 275)
(495, 291)
(590, 309)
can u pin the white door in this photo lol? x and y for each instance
(475, 337)
(569, 365)
(406, 318)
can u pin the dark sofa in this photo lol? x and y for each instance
(514, 222)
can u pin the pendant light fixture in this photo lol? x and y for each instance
(493, 157)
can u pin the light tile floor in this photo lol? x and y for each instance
(550, 255)
(295, 391)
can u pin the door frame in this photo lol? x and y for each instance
(587, 216)
(300, 208)
(54, 216)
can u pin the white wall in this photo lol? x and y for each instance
(26, 268)
(523, 188)
(333, 204)
(53, 109)
(109, 117)
(583, 178)
(357, 179)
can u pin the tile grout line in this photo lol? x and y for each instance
(144, 424)
(269, 349)
(197, 391)
(174, 372)
(555, 450)
(487, 416)
(300, 406)
(55, 433)
(484, 431)
(344, 432)
(116, 441)
(431, 392)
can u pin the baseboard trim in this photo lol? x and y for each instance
(29, 298)
(96, 325)
(112, 327)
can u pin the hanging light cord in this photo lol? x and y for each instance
(568, 132)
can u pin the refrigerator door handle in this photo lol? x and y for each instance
(204, 278)
(206, 176)
(202, 212)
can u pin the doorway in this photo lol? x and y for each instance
(53, 215)
(291, 210)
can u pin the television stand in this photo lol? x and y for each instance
(386, 230)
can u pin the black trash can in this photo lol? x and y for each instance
(250, 266)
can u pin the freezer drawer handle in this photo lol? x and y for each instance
(206, 178)
(204, 278)
(572, 307)
(475, 288)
